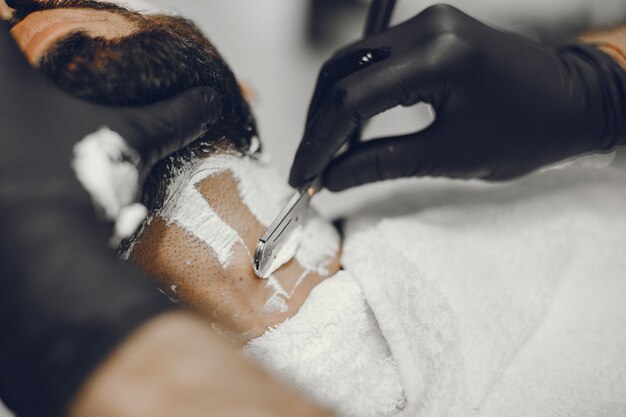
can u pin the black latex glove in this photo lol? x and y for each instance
(504, 105)
(65, 299)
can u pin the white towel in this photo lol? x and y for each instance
(493, 300)
(334, 351)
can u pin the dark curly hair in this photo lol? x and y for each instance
(162, 57)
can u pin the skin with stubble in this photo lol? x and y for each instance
(174, 364)
(233, 296)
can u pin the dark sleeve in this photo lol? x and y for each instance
(65, 302)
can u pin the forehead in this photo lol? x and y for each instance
(40, 30)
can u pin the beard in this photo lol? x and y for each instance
(163, 57)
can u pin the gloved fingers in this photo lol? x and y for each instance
(430, 22)
(418, 60)
(353, 99)
(341, 66)
(361, 55)
(419, 154)
(399, 37)
(160, 129)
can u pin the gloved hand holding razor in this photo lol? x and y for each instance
(504, 105)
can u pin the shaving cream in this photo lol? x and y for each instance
(277, 302)
(265, 193)
(318, 244)
(106, 166)
(260, 187)
(189, 209)
(286, 253)
(313, 245)
(128, 221)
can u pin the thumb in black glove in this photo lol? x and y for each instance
(504, 105)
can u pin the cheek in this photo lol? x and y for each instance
(193, 268)
(220, 192)
(190, 272)
(184, 266)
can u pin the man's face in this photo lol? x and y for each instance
(109, 55)
(200, 245)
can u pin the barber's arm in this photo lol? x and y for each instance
(504, 105)
(81, 333)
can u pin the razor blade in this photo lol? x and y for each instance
(287, 221)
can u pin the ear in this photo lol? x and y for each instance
(247, 91)
(5, 11)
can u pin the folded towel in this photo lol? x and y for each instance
(491, 299)
(334, 350)
(477, 269)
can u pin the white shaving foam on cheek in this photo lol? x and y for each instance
(276, 303)
(286, 253)
(319, 244)
(313, 245)
(188, 208)
(265, 193)
(261, 189)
